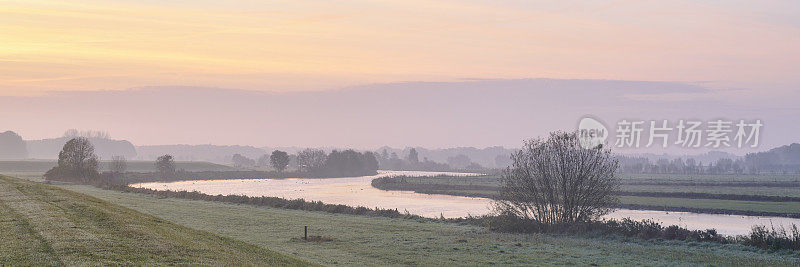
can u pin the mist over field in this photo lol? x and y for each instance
(478, 113)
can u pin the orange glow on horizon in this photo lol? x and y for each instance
(288, 45)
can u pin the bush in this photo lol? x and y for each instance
(645, 229)
(773, 239)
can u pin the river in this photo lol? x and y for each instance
(358, 191)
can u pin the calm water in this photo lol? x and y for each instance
(357, 191)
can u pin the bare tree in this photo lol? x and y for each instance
(118, 165)
(279, 160)
(311, 160)
(557, 181)
(165, 166)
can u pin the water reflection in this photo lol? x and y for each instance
(357, 191)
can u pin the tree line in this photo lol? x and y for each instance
(412, 162)
(317, 162)
(77, 162)
(314, 159)
(754, 163)
(630, 164)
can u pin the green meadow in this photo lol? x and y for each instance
(46, 225)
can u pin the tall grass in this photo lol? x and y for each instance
(645, 229)
(772, 238)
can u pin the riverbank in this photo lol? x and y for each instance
(697, 227)
(780, 205)
(181, 176)
(371, 240)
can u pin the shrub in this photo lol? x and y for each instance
(773, 239)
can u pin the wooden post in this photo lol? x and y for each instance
(305, 232)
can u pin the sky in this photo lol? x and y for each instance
(478, 113)
(742, 51)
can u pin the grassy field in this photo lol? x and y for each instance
(487, 186)
(752, 190)
(757, 206)
(711, 177)
(46, 225)
(41, 166)
(362, 240)
(626, 179)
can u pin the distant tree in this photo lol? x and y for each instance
(72, 133)
(663, 165)
(784, 159)
(338, 163)
(279, 160)
(429, 165)
(392, 162)
(350, 163)
(292, 162)
(165, 166)
(384, 154)
(724, 166)
(12, 146)
(118, 165)
(242, 161)
(678, 166)
(263, 160)
(739, 166)
(369, 163)
(473, 166)
(691, 166)
(557, 181)
(460, 161)
(76, 162)
(630, 164)
(311, 160)
(502, 161)
(413, 157)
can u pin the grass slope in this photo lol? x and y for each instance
(46, 225)
(362, 240)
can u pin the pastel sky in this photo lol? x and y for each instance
(319, 45)
(469, 66)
